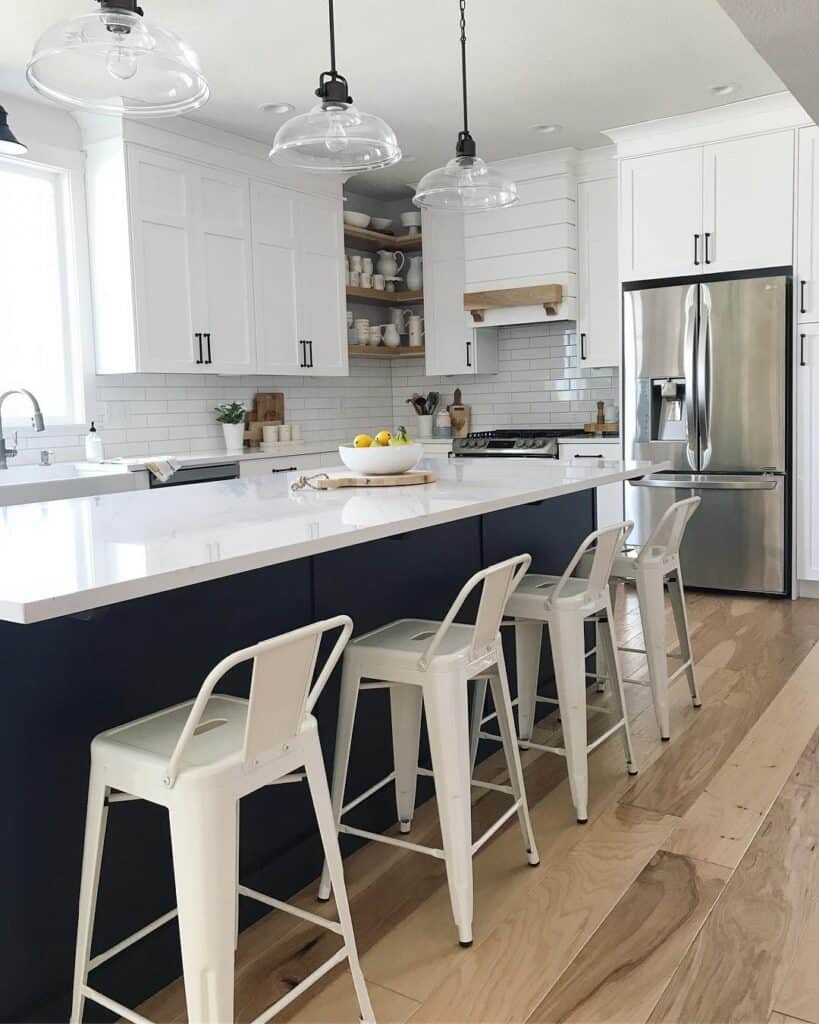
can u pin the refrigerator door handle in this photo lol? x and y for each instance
(760, 484)
(704, 378)
(689, 343)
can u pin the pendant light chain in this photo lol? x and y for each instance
(463, 65)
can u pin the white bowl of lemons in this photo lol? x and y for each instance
(382, 454)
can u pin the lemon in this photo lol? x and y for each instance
(362, 441)
(383, 437)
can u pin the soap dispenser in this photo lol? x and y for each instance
(93, 445)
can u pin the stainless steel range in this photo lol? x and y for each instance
(534, 443)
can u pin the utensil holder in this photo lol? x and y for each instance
(425, 425)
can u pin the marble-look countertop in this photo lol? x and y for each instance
(63, 557)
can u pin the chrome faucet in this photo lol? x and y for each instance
(7, 453)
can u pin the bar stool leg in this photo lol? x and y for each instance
(651, 597)
(320, 794)
(350, 680)
(96, 818)
(478, 706)
(609, 642)
(528, 639)
(203, 838)
(236, 913)
(568, 649)
(445, 704)
(506, 721)
(677, 594)
(406, 705)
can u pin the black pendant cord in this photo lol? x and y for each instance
(466, 144)
(333, 86)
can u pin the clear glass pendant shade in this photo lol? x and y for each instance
(114, 62)
(466, 184)
(336, 136)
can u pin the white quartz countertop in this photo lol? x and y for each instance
(63, 557)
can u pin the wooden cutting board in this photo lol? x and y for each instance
(387, 480)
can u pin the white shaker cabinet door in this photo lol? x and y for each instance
(807, 431)
(278, 349)
(226, 274)
(748, 203)
(598, 301)
(807, 229)
(448, 336)
(320, 292)
(661, 215)
(162, 196)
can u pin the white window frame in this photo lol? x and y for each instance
(68, 166)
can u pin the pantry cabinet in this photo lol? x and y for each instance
(202, 269)
(598, 288)
(807, 432)
(721, 207)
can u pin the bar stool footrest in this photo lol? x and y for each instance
(288, 908)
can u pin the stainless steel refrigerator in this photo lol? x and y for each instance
(706, 386)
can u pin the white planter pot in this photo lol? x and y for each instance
(234, 436)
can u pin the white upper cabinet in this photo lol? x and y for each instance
(598, 288)
(198, 268)
(661, 214)
(807, 231)
(748, 203)
(721, 207)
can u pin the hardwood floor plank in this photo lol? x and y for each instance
(336, 1004)
(506, 975)
(799, 994)
(737, 963)
(622, 970)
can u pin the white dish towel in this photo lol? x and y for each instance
(162, 469)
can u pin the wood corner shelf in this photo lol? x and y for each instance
(381, 351)
(547, 295)
(371, 241)
(390, 298)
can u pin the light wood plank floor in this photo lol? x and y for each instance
(691, 896)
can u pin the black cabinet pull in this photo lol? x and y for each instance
(696, 250)
(303, 356)
(589, 456)
(209, 360)
(310, 343)
(285, 469)
(707, 237)
(583, 346)
(802, 361)
(802, 296)
(469, 353)
(198, 337)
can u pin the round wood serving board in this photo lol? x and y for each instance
(386, 480)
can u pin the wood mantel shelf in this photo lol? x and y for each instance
(547, 295)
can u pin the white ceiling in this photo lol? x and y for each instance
(786, 34)
(584, 64)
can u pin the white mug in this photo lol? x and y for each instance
(378, 282)
(355, 278)
(416, 331)
(375, 334)
(355, 262)
(392, 339)
(366, 280)
(284, 432)
(362, 331)
(367, 265)
(270, 434)
(295, 432)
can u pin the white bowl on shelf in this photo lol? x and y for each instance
(411, 219)
(396, 458)
(356, 220)
(380, 223)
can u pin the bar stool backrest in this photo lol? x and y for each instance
(666, 537)
(499, 582)
(603, 546)
(281, 693)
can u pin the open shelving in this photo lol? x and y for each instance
(388, 298)
(372, 241)
(381, 351)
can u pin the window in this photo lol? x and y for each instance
(40, 345)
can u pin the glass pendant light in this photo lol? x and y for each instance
(112, 61)
(466, 184)
(10, 145)
(335, 135)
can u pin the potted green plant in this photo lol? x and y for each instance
(232, 417)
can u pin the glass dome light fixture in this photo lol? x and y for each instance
(112, 61)
(466, 184)
(10, 145)
(335, 135)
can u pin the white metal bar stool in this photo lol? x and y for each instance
(564, 603)
(427, 665)
(197, 759)
(653, 566)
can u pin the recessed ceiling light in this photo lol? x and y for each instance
(277, 108)
(545, 129)
(724, 90)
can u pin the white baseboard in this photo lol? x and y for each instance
(808, 588)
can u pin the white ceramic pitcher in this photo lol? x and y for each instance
(398, 316)
(415, 275)
(416, 331)
(388, 263)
